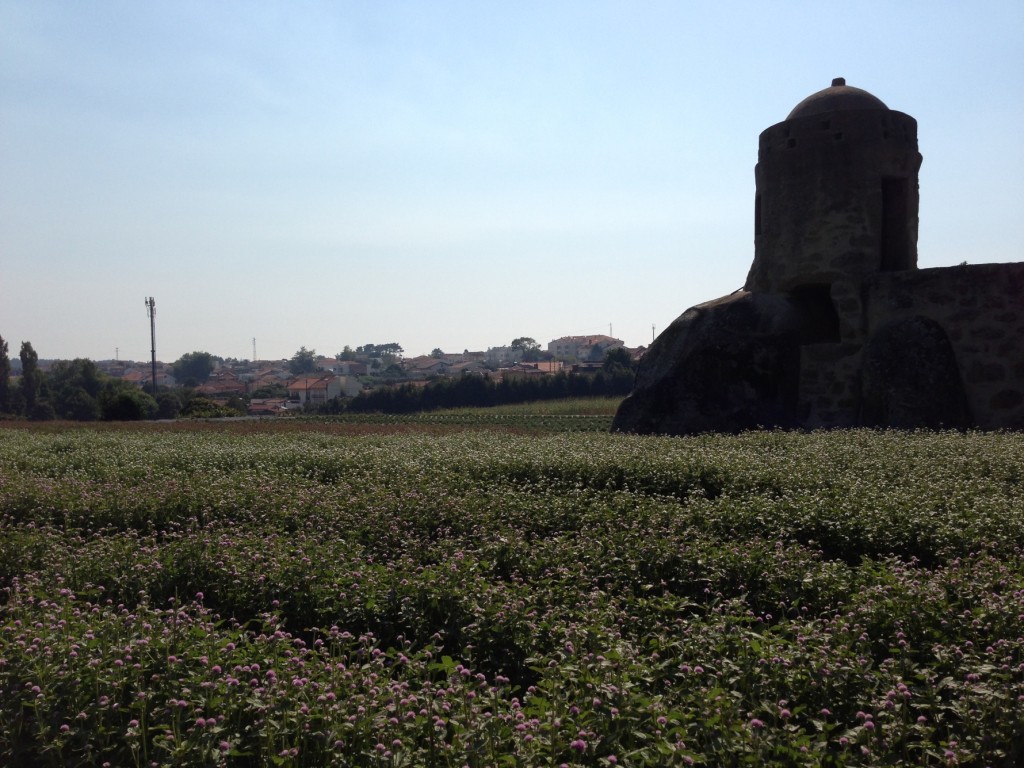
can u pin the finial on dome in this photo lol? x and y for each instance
(838, 81)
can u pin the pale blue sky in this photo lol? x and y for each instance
(448, 174)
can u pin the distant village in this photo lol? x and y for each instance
(309, 381)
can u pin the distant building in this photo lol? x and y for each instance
(314, 390)
(350, 367)
(143, 377)
(317, 390)
(425, 366)
(549, 366)
(521, 371)
(267, 406)
(223, 383)
(499, 355)
(468, 367)
(583, 347)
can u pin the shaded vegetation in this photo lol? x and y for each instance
(248, 594)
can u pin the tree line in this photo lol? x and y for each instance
(78, 390)
(72, 389)
(482, 391)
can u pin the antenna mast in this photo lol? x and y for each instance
(151, 311)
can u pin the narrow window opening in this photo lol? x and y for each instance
(895, 232)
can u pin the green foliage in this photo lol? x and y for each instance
(74, 389)
(271, 391)
(479, 391)
(31, 377)
(617, 359)
(17, 399)
(199, 407)
(379, 350)
(42, 411)
(279, 594)
(168, 405)
(193, 368)
(78, 405)
(121, 401)
(303, 361)
(529, 349)
(236, 404)
(5, 377)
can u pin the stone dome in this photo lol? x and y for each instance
(839, 96)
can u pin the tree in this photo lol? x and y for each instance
(121, 401)
(42, 411)
(236, 405)
(617, 358)
(271, 391)
(78, 405)
(74, 388)
(5, 378)
(199, 407)
(303, 361)
(193, 368)
(168, 405)
(387, 352)
(529, 349)
(30, 377)
(437, 352)
(346, 354)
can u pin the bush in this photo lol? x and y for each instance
(43, 411)
(200, 407)
(127, 404)
(168, 405)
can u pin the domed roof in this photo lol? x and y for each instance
(838, 96)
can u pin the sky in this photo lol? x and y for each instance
(448, 175)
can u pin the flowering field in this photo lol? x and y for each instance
(445, 595)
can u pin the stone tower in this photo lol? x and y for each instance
(836, 326)
(836, 201)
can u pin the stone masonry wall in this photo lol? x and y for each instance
(981, 308)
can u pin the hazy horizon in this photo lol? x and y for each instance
(448, 174)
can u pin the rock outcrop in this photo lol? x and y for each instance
(727, 365)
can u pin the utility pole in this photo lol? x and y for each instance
(151, 311)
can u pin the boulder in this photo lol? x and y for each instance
(724, 366)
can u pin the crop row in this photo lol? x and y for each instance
(485, 598)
